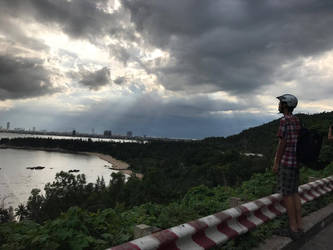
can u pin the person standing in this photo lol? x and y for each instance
(286, 165)
(330, 136)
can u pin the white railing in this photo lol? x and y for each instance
(218, 228)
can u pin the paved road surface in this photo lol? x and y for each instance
(321, 241)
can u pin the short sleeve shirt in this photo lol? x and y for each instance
(289, 129)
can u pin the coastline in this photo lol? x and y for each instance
(118, 165)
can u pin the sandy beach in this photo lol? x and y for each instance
(121, 166)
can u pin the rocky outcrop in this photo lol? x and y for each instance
(73, 171)
(37, 167)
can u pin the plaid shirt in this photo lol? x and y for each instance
(289, 130)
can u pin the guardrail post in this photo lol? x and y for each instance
(235, 202)
(311, 178)
(143, 230)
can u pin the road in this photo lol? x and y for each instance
(323, 240)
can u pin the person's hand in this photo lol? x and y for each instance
(275, 168)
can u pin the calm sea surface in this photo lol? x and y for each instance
(16, 181)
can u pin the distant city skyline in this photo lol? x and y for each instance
(33, 129)
(180, 69)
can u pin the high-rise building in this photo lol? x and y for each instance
(129, 134)
(108, 133)
(8, 125)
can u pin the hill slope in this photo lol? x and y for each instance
(262, 139)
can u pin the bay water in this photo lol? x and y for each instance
(16, 181)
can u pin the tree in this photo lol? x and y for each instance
(22, 212)
(4, 215)
(34, 205)
(116, 187)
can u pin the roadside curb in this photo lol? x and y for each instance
(313, 223)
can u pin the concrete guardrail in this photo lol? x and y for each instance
(218, 228)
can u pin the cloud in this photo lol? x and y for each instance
(16, 37)
(152, 114)
(87, 19)
(233, 45)
(24, 78)
(120, 80)
(94, 80)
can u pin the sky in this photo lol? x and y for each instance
(178, 69)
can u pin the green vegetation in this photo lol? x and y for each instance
(78, 228)
(182, 181)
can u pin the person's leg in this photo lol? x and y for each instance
(298, 208)
(291, 211)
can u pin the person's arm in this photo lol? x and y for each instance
(279, 152)
(330, 137)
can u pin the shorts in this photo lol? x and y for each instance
(288, 180)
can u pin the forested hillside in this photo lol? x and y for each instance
(262, 139)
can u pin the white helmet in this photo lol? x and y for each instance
(289, 99)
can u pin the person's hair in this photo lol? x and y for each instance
(290, 109)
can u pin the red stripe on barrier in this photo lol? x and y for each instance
(198, 225)
(223, 216)
(172, 246)
(272, 207)
(310, 194)
(246, 223)
(259, 214)
(242, 210)
(321, 190)
(314, 189)
(225, 229)
(126, 246)
(202, 240)
(243, 218)
(200, 237)
(259, 204)
(167, 240)
(303, 197)
(275, 211)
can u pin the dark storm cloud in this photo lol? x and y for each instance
(78, 18)
(231, 45)
(23, 78)
(93, 79)
(120, 80)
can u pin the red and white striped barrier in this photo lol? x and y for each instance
(218, 228)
